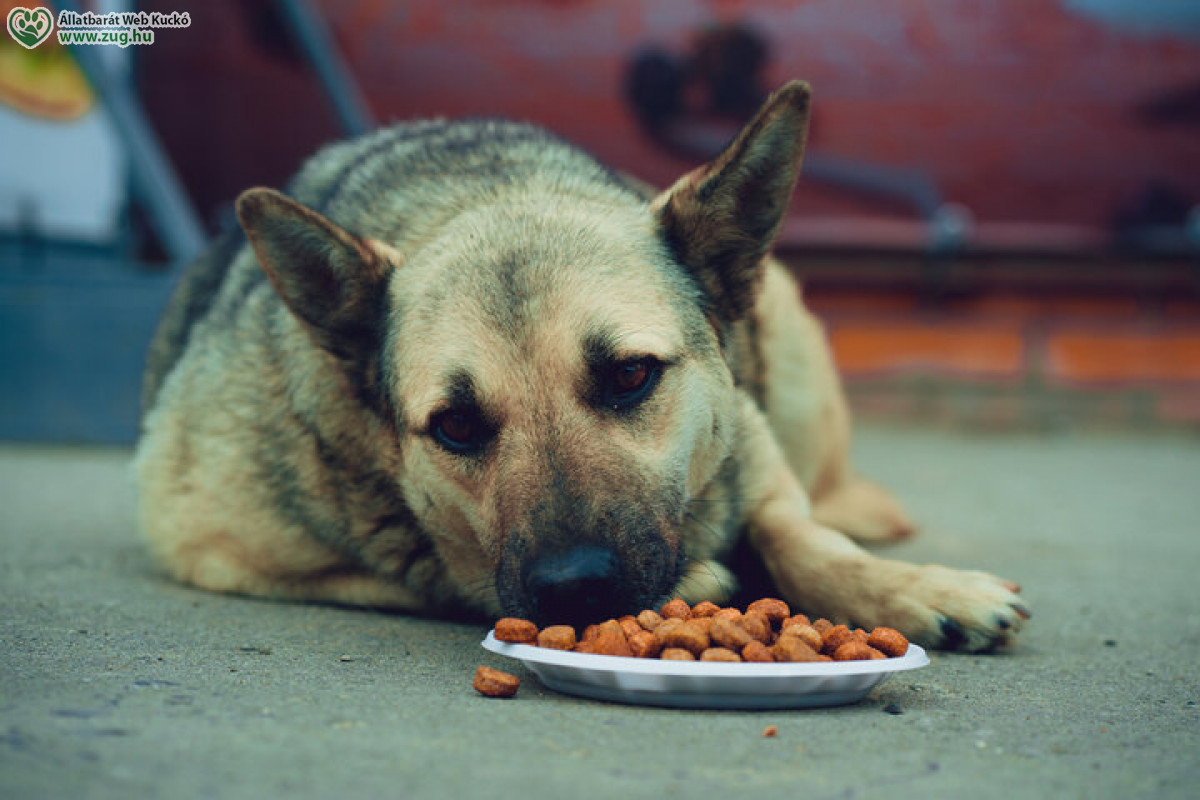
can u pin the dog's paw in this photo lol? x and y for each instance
(952, 609)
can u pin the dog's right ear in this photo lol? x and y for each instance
(330, 279)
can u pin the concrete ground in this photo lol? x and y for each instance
(117, 683)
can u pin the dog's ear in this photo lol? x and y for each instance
(330, 279)
(720, 219)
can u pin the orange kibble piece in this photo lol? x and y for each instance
(676, 654)
(494, 683)
(806, 634)
(676, 609)
(755, 623)
(822, 625)
(515, 631)
(719, 654)
(705, 609)
(629, 625)
(771, 731)
(728, 613)
(557, 637)
(834, 638)
(757, 651)
(649, 620)
(644, 644)
(856, 651)
(791, 648)
(686, 635)
(795, 619)
(888, 641)
(729, 633)
(610, 640)
(775, 610)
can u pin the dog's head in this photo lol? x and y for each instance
(553, 369)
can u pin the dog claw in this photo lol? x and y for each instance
(1022, 611)
(953, 634)
(1003, 623)
(1012, 586)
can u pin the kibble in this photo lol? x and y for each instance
(557, 637)
(494, 683)
(766, 632)
(516, 631)
(676, 609)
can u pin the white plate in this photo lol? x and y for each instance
(706, 684)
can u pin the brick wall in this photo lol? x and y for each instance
(1002, 359)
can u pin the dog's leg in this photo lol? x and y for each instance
(225, 563)
(823, 573)
(806, 408)
(864, 510)
(706, 580)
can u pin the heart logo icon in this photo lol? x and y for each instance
(30, 26)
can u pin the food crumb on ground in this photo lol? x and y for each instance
(494, 683)
(770, 731)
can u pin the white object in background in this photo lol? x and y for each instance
(61, 179)
(65, 179)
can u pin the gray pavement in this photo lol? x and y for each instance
(116, 683)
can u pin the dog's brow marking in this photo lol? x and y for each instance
(599, 349)
(460, 390)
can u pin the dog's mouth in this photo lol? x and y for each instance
(586, 582)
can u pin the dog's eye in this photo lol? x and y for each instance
(460, 430)
(630, 382)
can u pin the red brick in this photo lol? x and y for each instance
(1123, 356)
(991, 351)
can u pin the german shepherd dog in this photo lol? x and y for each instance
(463, 367)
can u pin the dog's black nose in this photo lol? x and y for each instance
(576, 587)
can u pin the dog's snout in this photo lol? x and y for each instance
(575, 587)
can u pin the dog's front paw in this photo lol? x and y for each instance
(952, 609)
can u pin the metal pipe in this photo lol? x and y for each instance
(343, 92)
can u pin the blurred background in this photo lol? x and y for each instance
(999, 220)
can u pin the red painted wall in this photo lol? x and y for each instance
(1021, 110)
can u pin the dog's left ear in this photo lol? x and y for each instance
(721, 219)
(330, 279)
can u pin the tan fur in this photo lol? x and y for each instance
(288, 448)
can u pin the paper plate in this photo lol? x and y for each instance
(705, 684)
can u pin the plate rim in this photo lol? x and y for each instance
(915, 658)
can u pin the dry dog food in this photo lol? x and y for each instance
(494, 683)
(766, 632)
(516, 631)
(557, 637)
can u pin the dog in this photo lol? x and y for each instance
(463, 368)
